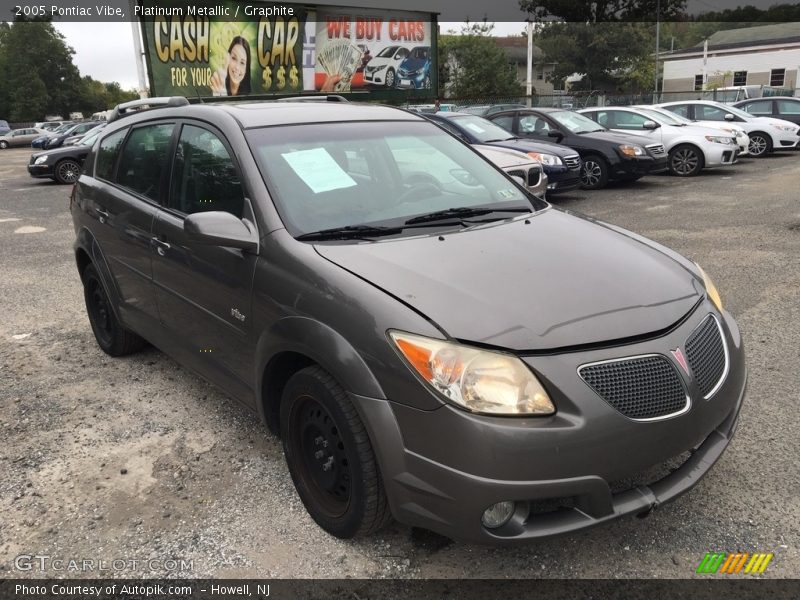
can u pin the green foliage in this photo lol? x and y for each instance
(472, 64)
(590, 11)
(616, 55)
(40, 78)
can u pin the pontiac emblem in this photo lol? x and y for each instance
(681, 359)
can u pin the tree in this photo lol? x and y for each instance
(472, 64)
(598, 11)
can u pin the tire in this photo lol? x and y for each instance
(426, 83)
(686, 160)
(67, 171)
(111, 336)
(390, 81)
(3, 144)
(330, 456)
(594, 172)
(760, 144)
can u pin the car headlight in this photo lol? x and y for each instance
(379, 69)
(711, 289)
(481, 381)
(718, 139)
(546, 159)
(40, 160)
(631, 150)
(789, 128)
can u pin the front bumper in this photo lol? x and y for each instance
(562, 179)
(638, 167)
(443, 468)
(410, 80)
(43, 171)
(721, 155)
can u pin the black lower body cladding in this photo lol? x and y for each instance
(442, 469)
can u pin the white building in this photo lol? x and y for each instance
(765, 55)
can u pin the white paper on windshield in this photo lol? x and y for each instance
(318, 170)
(474, 127)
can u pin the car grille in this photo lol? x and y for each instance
(532, 176)
(572, 162)
(656, 149)
(707, 357)
(646, 387)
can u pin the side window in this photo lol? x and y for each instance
(204, 177)
(627, 120)
(704, 112)
(788, 107)
(506, 122)
(679, 109)
(533, 124)
(145, 158)
(107, 155)
(602, 117)
(761, 107)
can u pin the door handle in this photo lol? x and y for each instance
(161, 246)
(103, 214)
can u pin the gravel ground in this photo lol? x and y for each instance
(136, 459)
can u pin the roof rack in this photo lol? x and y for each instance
(123, 109)
(313, 98)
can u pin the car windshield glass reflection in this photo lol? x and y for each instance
(379, 174)
(574, 122)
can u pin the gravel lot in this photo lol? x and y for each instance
(135, 459)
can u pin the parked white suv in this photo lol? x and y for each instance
(766, 134)
(690, 147)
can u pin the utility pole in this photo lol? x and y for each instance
(658, 40)
(529, 80)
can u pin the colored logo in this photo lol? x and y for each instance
(734, 563)
(681, 359)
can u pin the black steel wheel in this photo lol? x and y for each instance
(111, 336)
(330, 456)
(594, 173)
(685, 160)
(67, 171)
(760, 144)
(389, 81)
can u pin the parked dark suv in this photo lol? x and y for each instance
(430, 341)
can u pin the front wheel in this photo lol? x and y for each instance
(389, 81)
(760, 144)
(3, 144)
(594, 173)
(685, 161)
(67, 171)
(330, 456)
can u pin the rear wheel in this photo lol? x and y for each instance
(760, 144)
(111, 336)
(594, 173)
(67, 171)
(3, 144)
(330, 456)
(685, 160)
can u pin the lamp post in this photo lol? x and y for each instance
(529, 79)
(658, 35)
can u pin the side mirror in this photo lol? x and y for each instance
(219, 228)
(729, 117)
(650, 125)
(553, 133)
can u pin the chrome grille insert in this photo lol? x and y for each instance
(643, 388)
(656, 149)
(573, 161)
(707, 355)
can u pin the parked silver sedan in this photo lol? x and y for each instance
(20, 137)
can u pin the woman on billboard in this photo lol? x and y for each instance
(234, 78)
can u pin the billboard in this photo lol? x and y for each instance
(218, 49)
(230, 48)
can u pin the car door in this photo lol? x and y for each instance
(706, 112)
(760, 108)
(130, 172)
(204, 291)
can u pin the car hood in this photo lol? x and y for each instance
(413, 64)
(380, 61)
(555, 282)
(74, 151)
(523, 145)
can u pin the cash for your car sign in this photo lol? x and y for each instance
(372, 49)
(222, 48)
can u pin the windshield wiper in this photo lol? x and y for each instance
(463, 212)
(349, 232)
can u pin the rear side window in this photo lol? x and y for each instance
(145, 159)
(788, 107)
(107, 154)
(680, 109)
(204, 177)
(760, 107)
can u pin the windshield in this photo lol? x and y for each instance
(574, 122)
(482, 129)
(387, 52)
(64, 128)
(90, 137)
(660, 117)
(326, 176)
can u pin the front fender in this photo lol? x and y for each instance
(323, 345)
